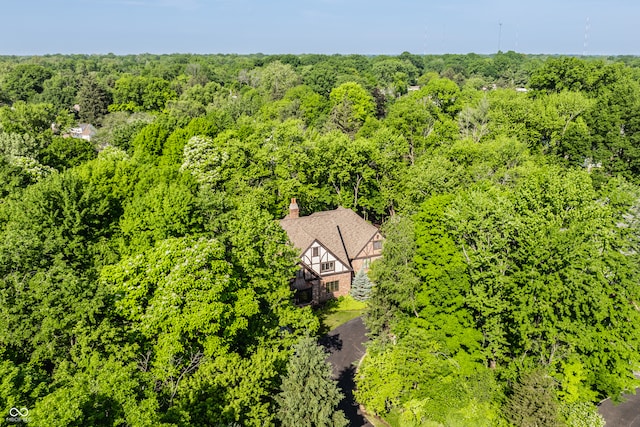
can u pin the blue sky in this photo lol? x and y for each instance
(319, 26)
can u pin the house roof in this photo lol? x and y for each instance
(83, 129)
(87, 129)
(341, 231)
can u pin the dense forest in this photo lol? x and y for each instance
(144, 279)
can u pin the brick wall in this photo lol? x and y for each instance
(344, 285)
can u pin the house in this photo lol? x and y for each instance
(334, 245)
(84, 131)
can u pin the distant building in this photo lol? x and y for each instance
(590, 164)
(84, 131)
(334, 246)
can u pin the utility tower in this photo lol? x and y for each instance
(587, 27)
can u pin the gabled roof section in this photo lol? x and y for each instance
(341, 231)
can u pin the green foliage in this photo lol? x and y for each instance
(321, 78)
(212, 326)
(277, 78)
(166, 209)
(60, 90)
(52, 241)
(97, 392)
(445, 283)
(64, 153)
(501, 255)
(93, 99)
(533, 402)
(417, 118)
(24, 118)
(307, 105)
(120, 128)
(416, 379)
(203, 160)
(12, 178)
(137, 93)
(24, 81)
(395, 277)
(581, 414)
(179, 279)
(150, 140)
(30, 167)
(443, 93)
(529, 285)
(395, 75)
(18, 145)
(351, 105)
(209, 126)
(566, 73)
(348, 166)
(473, 120)
(309, 396)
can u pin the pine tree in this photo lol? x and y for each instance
(93, 99)
(361, 286)
(533, 402)
(309, 396)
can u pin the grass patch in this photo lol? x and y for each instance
(339, 311)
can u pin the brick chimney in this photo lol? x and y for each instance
(294, 211)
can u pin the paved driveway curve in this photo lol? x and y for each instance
(345, 345)
(625, 414)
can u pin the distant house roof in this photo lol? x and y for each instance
(341, 231)
(84, 131)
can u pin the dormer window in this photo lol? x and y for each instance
(377, 245)
(315, 251)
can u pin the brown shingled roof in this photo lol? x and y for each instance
(341, 231)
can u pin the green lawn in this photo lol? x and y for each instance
(336, 312)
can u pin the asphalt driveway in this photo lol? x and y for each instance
(625, 414)
(345, 345)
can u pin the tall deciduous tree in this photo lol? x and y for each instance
(395, 277)
(52, 242)
(137, 93)
(277, 78)
(348, 167)
(548, 268)
(25, 81)
(351, 105)
(60, 90)
(210, 330)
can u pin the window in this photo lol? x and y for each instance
(377, 245)
(333, 286)
(315, 251)
(327, 266)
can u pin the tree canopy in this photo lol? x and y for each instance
(144, 279)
